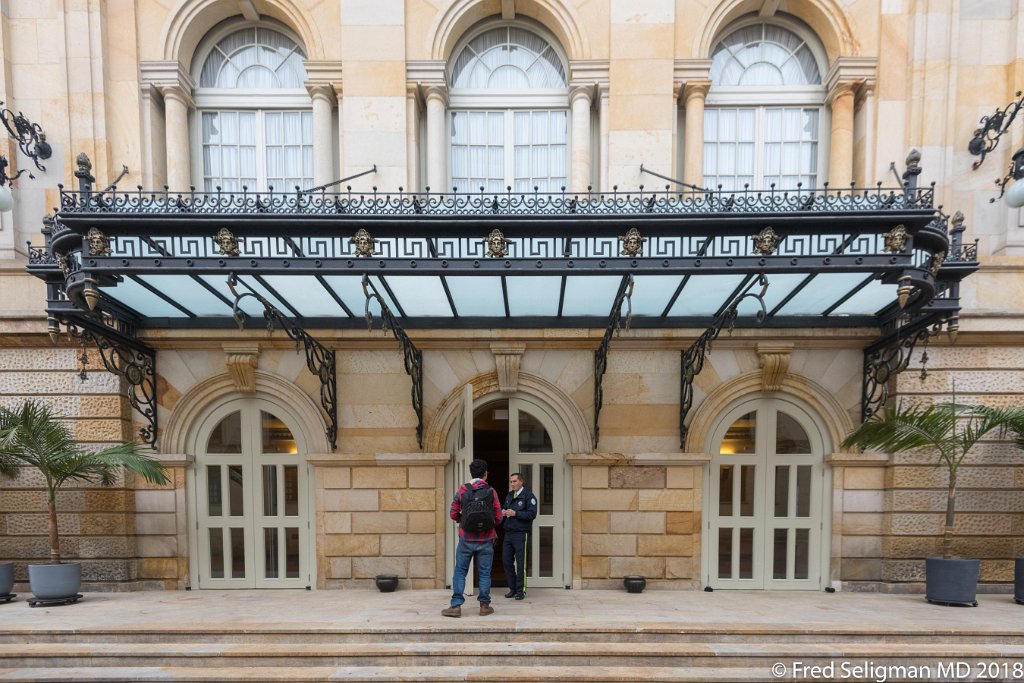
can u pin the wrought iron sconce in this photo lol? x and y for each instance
(985, 140)
(31, 140)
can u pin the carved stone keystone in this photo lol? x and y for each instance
(774, 365)
(507, 356)
(241, 361)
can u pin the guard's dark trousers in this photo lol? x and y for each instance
(513, 557)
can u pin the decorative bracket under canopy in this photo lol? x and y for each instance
(319, 359)
(622, 297)
(693, 357)
(413, 356)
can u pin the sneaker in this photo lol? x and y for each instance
(485, 609)
(520, 596)
(452, 612)
(510, 594)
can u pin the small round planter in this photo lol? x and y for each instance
(1018, 580)
(634, 584)
(55, 581)
(386, 583)
(952, 581)
(6, 577)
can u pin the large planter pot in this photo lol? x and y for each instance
(386, 583)
(634, 584)
(6, 577)
(952, 582)
(1018, 580)
(55, 581)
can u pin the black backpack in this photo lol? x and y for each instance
(477, 509)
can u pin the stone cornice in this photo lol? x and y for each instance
(324, 71)
(165, 75)
(685, 70)
(589, 72)
(853, 70)
(866, 459)
(377, 459)
(606, 459)
(425, 71)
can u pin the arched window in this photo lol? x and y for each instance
(508, 98)
(763, 119)
(254, 115)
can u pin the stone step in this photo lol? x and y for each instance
(495, 632)
(377, 674)
(415, 654)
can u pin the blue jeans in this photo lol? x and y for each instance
(484, 554)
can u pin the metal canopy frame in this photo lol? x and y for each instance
(101, 240)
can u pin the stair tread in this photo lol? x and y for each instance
(490, 674)
(525, 648)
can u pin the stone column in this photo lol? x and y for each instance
(323, 97)
(412, 138)
(437, 147)
(694, 94)
(840, 161)
(179, 166)
(579, 174)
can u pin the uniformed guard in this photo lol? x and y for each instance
(519, 512)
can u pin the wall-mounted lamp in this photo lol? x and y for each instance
(985, 140)
(31, 140)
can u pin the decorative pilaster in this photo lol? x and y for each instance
(774, 361)
(507, 357)
(840, 165)
(241, 361)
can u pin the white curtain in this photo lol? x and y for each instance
(232, 144)
(760, 146)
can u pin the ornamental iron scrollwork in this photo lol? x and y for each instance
(624, 296)
(133, 362)
(632, 243)
(412, 356)
(884, 361)
(30, 138)
(766, 241)
(497, 245)
(693, 357)
(986, 136)
(320, 360)
(364, 241)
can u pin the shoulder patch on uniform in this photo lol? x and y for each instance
(533, 501)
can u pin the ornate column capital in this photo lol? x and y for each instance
(322, 90)
(241, 361)
(774, 362)
(507, 357)
(839, 90)
(695, 89)
(584, 92)
(170, 78)
(437, 93)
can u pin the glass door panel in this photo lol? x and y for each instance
(766, 499)
(251, 512)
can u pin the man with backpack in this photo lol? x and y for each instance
(520, 511)
(477, 510)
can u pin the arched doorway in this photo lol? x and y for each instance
(250, 497)
(767, 504)
(518, 434)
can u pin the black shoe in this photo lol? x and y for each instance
(510, 594)
(520, 596)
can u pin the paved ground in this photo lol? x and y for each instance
(344, 610)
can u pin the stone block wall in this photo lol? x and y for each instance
(380, 519)
(97, 525)
(637, 518)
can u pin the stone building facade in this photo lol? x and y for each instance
(375, 84)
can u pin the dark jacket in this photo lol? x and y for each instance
(525, 505)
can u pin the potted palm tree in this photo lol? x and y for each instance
(949, 430)
(1017, 425)
(31, 436)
